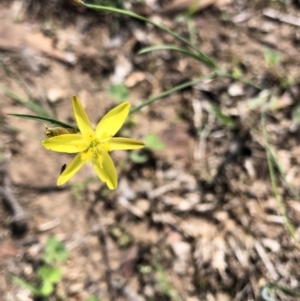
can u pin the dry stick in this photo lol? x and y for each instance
(103, 241)
(20, 216)
(285, 18)
(267, 262)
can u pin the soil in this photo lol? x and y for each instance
(199, 219)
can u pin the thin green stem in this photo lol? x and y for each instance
(209, 61)
(283, 175)
(190, 84)
(175, 89)
(244, 81)
(172, 48)
(280, 205)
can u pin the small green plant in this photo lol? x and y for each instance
(237, 72)
(164, 284)
(48, 274)
(152, 143)
(272, 58)
(119, 92)
(139, 157)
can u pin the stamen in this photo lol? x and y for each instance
(97, 156)
(86, 155)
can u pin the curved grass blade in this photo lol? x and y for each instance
(172, 90)
(45, 119)
(26, 103)
(198, 56)
(209, 61)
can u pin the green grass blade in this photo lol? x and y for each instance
(209, 61)
(14, 75)
(287, 290)
(45, 119)
(26, 103)
(240, 79)
(172, 90)
(198, 56)
(278, 198)
(224, 119)
(283, 175)
(24, 284)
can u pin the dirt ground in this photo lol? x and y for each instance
(198, 220)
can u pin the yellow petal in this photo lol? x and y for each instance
(124, 143)
(112, 121)
(71, 169)
(82, 119)
(68, 143)
(105, 169)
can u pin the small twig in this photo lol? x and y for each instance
(20, 216)
(48, 225)
(267, 262)
(163, 189)
(285, 18)
(203, 135)
(101, 232)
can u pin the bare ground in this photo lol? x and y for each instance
(198, 220)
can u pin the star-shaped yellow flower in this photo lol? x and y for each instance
(94, 145)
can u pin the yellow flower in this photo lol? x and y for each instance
(94, 145)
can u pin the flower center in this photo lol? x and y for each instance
(94, 151)
(94, 143)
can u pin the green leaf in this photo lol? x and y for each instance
(46, 289)
(55, 250)
(45, 119)
(138, 157)
(119, 92)
(196, 55)
(226, 120)
(50, 274)
(153, 142)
